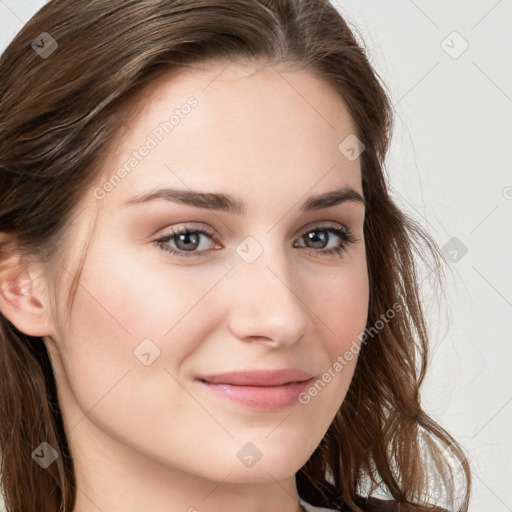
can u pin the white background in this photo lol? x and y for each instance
(449, 167)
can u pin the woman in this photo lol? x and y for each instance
(209, 300)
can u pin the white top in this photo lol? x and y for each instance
(310, 508)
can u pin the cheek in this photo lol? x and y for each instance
(128, 299)
(341, 304)
(124, 310)
(120, 307)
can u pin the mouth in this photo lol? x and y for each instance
(258, 377)
(264, 390)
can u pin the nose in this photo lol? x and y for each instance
(267, 303)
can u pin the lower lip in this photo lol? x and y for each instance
(264, 398)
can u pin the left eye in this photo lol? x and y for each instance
(188, 240)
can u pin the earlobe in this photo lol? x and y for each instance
(23, 299)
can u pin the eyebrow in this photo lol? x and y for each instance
(228, 203)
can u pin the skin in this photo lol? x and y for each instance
(150, 437)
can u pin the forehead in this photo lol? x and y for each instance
(223, 125)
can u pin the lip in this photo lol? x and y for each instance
(264, 390)
(258, 377)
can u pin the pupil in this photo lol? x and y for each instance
(317, 239)
(184, 237)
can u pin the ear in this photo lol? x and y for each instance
(23, 296)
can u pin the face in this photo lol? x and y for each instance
(178, 287)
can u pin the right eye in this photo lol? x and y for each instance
(189, 239)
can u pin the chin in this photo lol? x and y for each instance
(277, 464)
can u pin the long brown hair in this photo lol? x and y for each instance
(60, 112)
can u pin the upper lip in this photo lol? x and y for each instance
(258, 377)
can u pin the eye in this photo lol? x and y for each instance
(320, 236)
(187, 240)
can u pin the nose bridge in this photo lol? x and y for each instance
(268, 303)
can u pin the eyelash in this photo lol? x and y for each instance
(344, 233)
